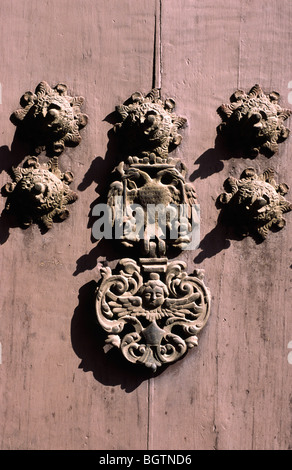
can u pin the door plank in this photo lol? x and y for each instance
(234, 391)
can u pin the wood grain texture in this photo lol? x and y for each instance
(234, 391)
(58, 389)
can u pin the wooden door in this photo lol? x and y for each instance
(59, 388)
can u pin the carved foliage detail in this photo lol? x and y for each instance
(152, 312)
(50, 118)
(255, 204)
(254, 121)
(39, 193)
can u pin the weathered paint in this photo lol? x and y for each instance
(58, 388)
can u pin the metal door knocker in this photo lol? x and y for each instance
(151, 309)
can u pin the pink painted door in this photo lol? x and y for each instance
(59, 389)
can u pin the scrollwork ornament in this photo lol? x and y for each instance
(153, 316)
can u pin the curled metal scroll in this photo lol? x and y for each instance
(153, 317)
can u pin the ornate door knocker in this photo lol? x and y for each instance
(150, 308)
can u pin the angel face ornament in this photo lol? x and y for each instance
(152, 317)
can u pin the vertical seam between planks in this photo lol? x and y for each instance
(148, 415)
(156, 83)
(157, 47)
(216, 399)
(239, 44)
(160, 45)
